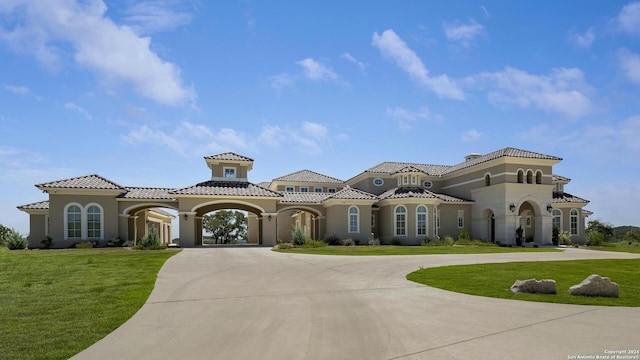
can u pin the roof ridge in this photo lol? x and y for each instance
(50, 183)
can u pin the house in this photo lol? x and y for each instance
(489, 196)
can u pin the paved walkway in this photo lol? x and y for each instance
(252, 303)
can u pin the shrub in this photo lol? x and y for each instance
(447, 241)
(348, 242)
(314, 244)
(115, 242)
(15, 241)
(555, 233)
(299, 238)
(84, 245)
(595, 238)
(464, 235)
(331, 239)
(47, 242)
(564, 238)
(475, 243)
(151, 247)
(4, 235)
(374, 242)
(396, 242)
(285, 246)
(151, 239)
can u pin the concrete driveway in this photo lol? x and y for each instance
(252, 303)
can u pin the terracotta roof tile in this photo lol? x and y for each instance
(147, 193)
(40, 205)
(349, 193)
(230, 156)
(394, 167)
(304, 197)
(82, 182)
(564, 197)
(308, 176)
(416, 192)
(506, 152)
(226, 188)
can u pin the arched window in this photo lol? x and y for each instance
(538, 177)
(73, 215)
(421, 220)
(573, 221)
(529, 177)
(520, 176)
(557, 219)
(401, 221)
(354, 223)
(94, 221)
(487, 180)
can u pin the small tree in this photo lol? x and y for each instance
(227, 226)
(151, 240)
(600, 227)
(4, 235)
(555, 233)
(299, 238)
(16, 241)
(595, 238)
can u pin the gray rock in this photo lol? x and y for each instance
(596, 285)
(544, 286)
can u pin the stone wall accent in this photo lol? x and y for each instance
(596, 285)
(533, 286)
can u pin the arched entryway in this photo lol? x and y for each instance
(253, 213)
(136, 221)
(310, 220)
(527, 221)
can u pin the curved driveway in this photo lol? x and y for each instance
(252, 303)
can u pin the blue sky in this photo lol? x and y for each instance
(140, 91)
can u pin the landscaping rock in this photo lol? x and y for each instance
(596, 285)
(533, 286)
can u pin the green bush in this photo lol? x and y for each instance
(348, 242)
(47, 242)
(285, 246)
(151, 239)
(595, 238)
(564, 238)
(299, 238)
(475, 243)
(84, 245)
(331, 239)
(374, 242)
(447, 241)
(314, 244)
(464, 235)
(4, 235)
(15, 241)
(115, 242)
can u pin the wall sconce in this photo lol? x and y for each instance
(185, 217)
(549, 207)
(269, 218)
(512, 207)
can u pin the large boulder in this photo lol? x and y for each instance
(544, 286)
(596, 285)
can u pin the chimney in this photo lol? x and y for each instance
(472, 156)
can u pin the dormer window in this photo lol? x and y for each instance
(414, 181)
(405, 180)
(229, 172)
(378, 182)
(289, 189)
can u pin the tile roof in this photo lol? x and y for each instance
(147, 193)
(409, 169)
(226, 188)
(82, 182)
(506, 152)
(304, 197)
(389, 167)
(230, 156)
(416, 192)
(264, 184)
(560, 178)
(349, 193)
(308, 176)
(40, 205)
(564, 197)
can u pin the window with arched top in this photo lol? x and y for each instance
(401, 221)
(487, 180)
(557, 219)
(94, 222)
(73, 216)
(529, 177)
(354, 217)
(538, 177)
(573, 221)
(520, 176)
(421, 220)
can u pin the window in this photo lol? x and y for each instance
(74, 221)
(229, 172)
(304, 189)
(353, 219)
(331, 190)
(289, 189)
(460, 219)
(529, 177)
(414, 180)
(317, 189)
(538, 177)
(378, 182)
(487, 180)
(401, 221)
(520, 176)
(405, 180)
(94, 222)
(573, 221)
(557, 219)
(427, 184)
(421, 220)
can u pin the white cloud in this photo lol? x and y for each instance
(271, 136)
(282, 80)
(406, 118)
(316, 71)
(314, 130)
(361, 66)
(20, 90)
(463, 33)
(563, 91)
(471, 135)
(630, 64)
(393, 47)
(310, 137)
(73, 107)
(485, 12)
(629, 18)
(153, 16)
(583, 40)
(113, 51)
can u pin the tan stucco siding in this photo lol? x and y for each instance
(37, 231)
(57, 204)
(217, 170)
(449, 220)
(338, 222)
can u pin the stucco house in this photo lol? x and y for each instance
(489, 196)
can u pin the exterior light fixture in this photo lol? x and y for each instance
(269, 218)
(185, 217)
(549, 207)
(512, 207)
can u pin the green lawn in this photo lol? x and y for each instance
(494, 280)
(635, 250)
(55, 303)
(408, 250)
